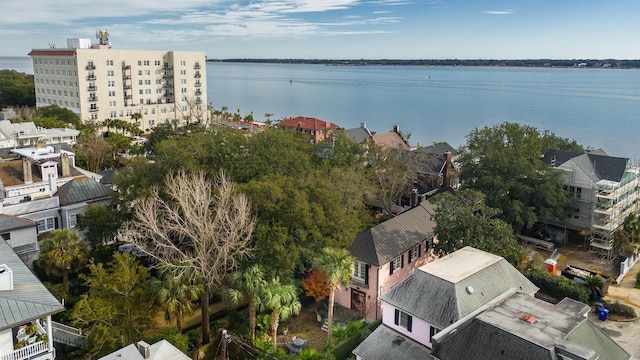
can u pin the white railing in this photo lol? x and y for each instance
(27, 351)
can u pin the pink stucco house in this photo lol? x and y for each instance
(385, 255)
(471, 304)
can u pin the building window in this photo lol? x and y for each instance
(73, 220)
(414, 253)
(109, 62)
(403, 320)
(183, 63)
(47, 224)
(396, 264)
(433, 331)
(360, 272)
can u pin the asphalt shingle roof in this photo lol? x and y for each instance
(10, 222)
(29, 299)
(449, 288)
(384, 344)
(382, 243)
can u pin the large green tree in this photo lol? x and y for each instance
(337, 264)
(504, 161)
(100, 224)
(16, 89)
(247, 284)
(116, 311)
(63, 114)
(63, 252)
(463, 219)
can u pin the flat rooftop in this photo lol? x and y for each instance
(460, 264)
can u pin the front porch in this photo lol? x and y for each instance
(32, 341)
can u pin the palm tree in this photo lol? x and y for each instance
(337, 264)
(63, 252)
(247, 284)
(283, 302)
(632, 226)
(176, 293)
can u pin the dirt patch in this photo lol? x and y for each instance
(306, 326)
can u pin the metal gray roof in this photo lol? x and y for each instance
(500, 333)
(10, 222)
(558, 156)
(82, 189)
(384, 242)
(384, 344)
(442, 299)
(29, 299)
(597, 164)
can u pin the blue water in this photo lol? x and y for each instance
(596, 107)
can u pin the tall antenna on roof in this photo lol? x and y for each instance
(52, 45)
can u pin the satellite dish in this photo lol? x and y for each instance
(469, 290)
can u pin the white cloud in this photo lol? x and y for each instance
(501, 12)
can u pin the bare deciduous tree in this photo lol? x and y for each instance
(197, 225)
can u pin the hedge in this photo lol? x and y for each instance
(558, 286)
(343, 350)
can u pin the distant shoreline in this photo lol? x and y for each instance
(549, 63)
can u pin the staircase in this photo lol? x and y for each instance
(325, 325)
(67, 335)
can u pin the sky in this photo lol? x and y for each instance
(334, 29)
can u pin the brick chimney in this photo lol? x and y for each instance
(448, 171)
(415, 198)
(396, 128)
(27, 174)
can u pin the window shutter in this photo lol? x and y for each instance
(366, 274)
(419, 250)
(396, 319)
(391, 268)
(410, 257)
(409, 323)
(401, 261)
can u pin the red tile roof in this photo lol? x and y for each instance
(308, 123)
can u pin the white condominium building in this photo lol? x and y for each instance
(98, 82)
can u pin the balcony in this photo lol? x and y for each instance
(198, 101)
(93, 109)
(196, 66)
(127, 87)
(129, 97)
(167, 75)
(93, 98)
(90, 67)
(92, 88)
(168, 94)
(198, 84)
(197, 75)
(127, 67)
(126, 77)
(91, 77)
(198, 92)
(167, 67)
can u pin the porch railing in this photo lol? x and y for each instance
(27, 352)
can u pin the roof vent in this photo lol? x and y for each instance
(6, 278)
(398, 340)
(528, 318)
(469, 290)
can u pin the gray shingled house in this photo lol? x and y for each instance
(26, 307)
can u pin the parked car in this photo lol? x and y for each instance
(131, 249)
(548, 233)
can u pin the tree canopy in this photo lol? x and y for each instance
(463, 219)
(16, 89)
(505, 162)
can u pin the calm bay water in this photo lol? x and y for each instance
(596, 107)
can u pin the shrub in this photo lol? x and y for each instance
(620, 309)
(558, 286)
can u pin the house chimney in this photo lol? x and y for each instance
(363, 125)
(27, 174)
(53, 183)
(143, 347)
(64, 160)
(6, 278)
(448, 171)
(396, 128)
(415, 199)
